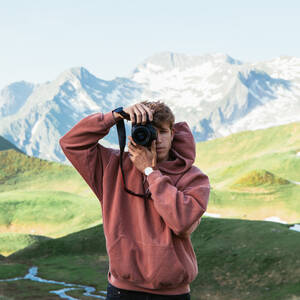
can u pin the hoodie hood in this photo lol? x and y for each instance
(183, 150)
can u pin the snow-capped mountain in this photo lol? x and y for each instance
(54, 107)
(13, 97)
(219, 95)
(216, 94)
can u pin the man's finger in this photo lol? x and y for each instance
(131, 148)
(143, 119)
(138, 115)
(132, 141)
(149, 112)
(153, 146)
(143, 112)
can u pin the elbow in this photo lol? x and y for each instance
(182, 233)
(62, 143)
(186, 231)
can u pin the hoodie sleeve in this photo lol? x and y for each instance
(181, 209)
(81, 147)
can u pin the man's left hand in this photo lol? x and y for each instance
(141, 156)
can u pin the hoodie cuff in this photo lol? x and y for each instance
(109, 119)
(153, 176)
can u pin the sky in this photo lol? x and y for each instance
(41, 39)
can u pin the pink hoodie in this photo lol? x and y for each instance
(148, 241)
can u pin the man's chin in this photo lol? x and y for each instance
(161, 158)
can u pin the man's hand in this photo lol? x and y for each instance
(141, 156)
(138, 114)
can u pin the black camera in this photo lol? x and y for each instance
(143, 134)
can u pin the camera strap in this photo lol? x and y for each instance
(122, 141)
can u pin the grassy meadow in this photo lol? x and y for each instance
(237, 259)
(252, 173)
(50, 218)
(43, 198)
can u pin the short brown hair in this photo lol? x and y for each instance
(162, 113)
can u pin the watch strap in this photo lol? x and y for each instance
(120, 111)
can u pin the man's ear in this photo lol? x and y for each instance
(172, 133)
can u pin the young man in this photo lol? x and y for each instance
(147, 239)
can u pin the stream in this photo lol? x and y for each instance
(32, 275)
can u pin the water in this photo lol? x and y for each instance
(32, 275)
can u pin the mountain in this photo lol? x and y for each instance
(6, 145)
(14, 96)
(216, 94)
(219, 95)
(54, 107)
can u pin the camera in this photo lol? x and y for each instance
(143, 134)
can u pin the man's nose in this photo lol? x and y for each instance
(158, 138)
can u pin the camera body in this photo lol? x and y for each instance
(143, 134)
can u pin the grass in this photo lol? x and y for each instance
(12, 242)
(250, 175)
(242, 146)
(27, 290)
(246, 259)
(237, 259)
(250, 180)
(259, 177)
(49, 213)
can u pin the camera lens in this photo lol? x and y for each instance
(141, 135)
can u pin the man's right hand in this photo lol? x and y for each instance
(138, 113)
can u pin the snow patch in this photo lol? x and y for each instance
(296, 227)
(154, 68)
(295, 182)
(212, 215)
(275, 219)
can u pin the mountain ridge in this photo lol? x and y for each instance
(216, 94)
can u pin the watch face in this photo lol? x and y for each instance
(148, 171)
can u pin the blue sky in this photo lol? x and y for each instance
(40, 39)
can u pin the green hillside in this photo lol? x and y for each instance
(43, 198)
(11, 242)
(258, 178)
(237, 259)
(254, 174)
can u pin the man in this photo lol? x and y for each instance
(147, 239)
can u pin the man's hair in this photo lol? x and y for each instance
(162, 113)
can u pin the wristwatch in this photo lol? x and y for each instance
(148, 171)
(120, 111)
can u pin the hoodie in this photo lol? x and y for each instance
(147, 240)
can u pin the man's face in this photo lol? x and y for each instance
(164, 141)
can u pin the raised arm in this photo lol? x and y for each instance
(81, 147)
